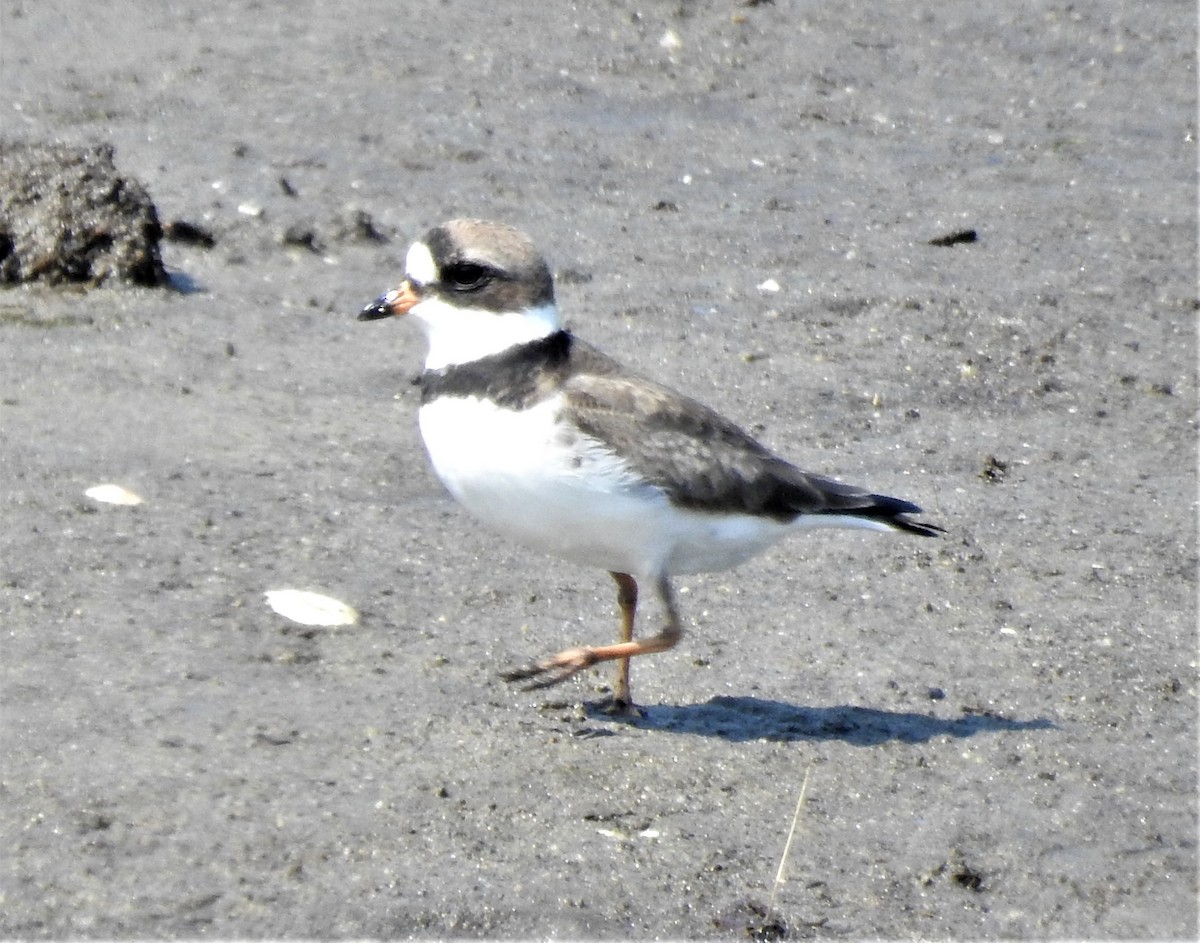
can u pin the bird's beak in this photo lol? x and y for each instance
(396, 302)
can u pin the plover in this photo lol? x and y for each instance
(545, 438)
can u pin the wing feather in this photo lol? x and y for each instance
(702, 460)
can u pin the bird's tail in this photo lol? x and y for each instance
(851, 505)
(893, 512)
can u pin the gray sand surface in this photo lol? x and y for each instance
(999, 728)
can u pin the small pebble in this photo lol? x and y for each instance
(671, 41)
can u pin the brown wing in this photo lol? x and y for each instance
(702, 460)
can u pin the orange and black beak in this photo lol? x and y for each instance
(396, 302)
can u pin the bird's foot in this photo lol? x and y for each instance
(622, 707)
(553, 670)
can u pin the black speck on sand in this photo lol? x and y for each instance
(999, 728)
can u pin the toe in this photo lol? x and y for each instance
(622, 707)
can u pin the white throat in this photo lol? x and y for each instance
(461, 335)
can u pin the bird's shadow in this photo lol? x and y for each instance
(739, 719)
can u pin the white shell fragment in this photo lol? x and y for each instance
(113, 494)
(769, 285)
(307, 608)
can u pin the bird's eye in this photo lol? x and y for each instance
(466, 276)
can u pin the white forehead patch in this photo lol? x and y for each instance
(419, 265)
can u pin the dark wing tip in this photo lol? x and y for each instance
(839, 498)
(894, 512)
(921, 528)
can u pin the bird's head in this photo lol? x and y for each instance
(476, 288)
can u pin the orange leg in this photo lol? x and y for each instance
(627, 599)
(556, 668)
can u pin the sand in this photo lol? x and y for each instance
(999, 728)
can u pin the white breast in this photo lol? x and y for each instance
(528, 474)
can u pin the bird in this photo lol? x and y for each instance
(543, 437)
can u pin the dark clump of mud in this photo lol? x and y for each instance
(68, 216)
